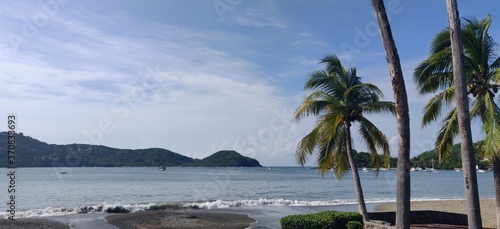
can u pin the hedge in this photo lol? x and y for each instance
(354, 225)
(323, 220)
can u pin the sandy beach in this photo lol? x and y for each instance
(488, 209)
(190, 218)
(32, 223)
(229, 218)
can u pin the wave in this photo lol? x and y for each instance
(126, 208)
(100, 208)
(264, 202)
(285, 202)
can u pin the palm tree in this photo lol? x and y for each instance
(463, 117)
(338, 98)
(482, 70)
(403, 116)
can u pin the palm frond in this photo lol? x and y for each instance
(446, 135)
(432, 110)
(328, 142)
(314, 104)
(337, 158)
(495, 71)
(333, 65)
(478, 107)
(434, 73)
(319, 80)
(441, 41)
(375, 140)
(379, 107)
(491, 126)
(307, 145)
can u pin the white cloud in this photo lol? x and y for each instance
(264, 14)
(194, 97)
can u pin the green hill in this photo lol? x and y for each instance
(425, 159)
(226, 158)
(31, 152)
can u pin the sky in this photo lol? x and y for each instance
(198, 76)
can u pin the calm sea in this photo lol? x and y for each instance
(57, 191)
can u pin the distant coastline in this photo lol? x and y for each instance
(35, 153)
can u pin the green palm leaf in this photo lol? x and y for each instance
(432, 110)
(491, 126)
(447, 133)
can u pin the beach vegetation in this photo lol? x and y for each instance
(452, 161)
(482, 76)
(338, 99)
(324, 220)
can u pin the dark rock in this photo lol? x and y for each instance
(118, 209)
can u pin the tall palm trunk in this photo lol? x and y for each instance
(463, 117)
(402, 115)
(496, 183)
(355, 175)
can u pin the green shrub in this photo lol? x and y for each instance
(322, 220)
(354, 225)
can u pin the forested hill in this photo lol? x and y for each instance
(454, 160)
(31, 152)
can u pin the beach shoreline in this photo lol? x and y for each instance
(234, 217)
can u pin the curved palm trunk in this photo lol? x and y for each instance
(403, 192)
(355, 176)
(467, 149)
(496, 183)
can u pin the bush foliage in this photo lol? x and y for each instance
(323, 220)
(354, 225)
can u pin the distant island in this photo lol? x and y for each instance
(34, 153)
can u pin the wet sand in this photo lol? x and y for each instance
(32, 223)
(180, 219)
(488, 210)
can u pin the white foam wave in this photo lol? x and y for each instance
(265, 202)
(285, 202)
(100, 208)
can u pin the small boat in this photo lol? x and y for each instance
(63, 172)
(480, 170)
(162, 168)
(458, 170)
(365, 170)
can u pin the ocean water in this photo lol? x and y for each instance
(47, 192)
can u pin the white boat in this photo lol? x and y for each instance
(458, 170)
(365, 170)
(479, 170)
(162, 168)
(431, 170)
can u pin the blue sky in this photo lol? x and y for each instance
(198, 76)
